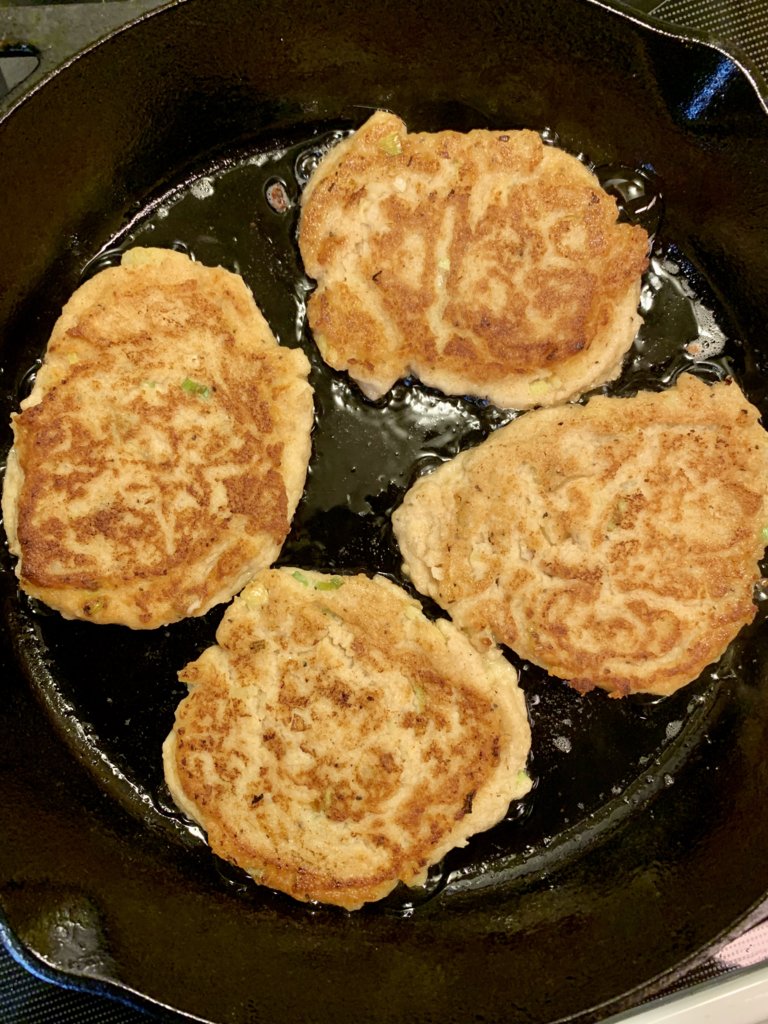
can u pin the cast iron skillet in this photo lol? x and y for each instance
(642, 844)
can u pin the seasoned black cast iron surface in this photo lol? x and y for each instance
(638, 847)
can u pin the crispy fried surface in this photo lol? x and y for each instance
(159, 459)
(336, 741)
(484, 263)
(615, 544)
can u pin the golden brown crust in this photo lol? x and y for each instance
(159, 459)
(485, 263)
(336, 741)
(615, 544)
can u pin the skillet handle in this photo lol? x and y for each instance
(739, 29)
(36, 40)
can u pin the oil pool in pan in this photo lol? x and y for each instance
(112, 692)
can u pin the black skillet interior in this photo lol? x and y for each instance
(641, 844)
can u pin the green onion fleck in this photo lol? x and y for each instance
(193, 388)
(419, 696)
(391, 144)
(764, 534)
(332, 584)
(324, 803)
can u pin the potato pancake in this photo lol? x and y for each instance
(159, 459)
(615, 544)
(484, 263)
(335, 741)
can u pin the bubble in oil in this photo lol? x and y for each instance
(183, 247)
(637, 194)
(710, 342)
(521, 809)
(260, 159)
(427, 464)
(27, 380)
(37, 608)
(647, 707)
(162, 802)
(307, 161)
(202, 188)
(673, 728)
(306, 164)
(107, 258)
(585, 159)
(405, 900)
(234, 878)
(679, 332)
(549, 137)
